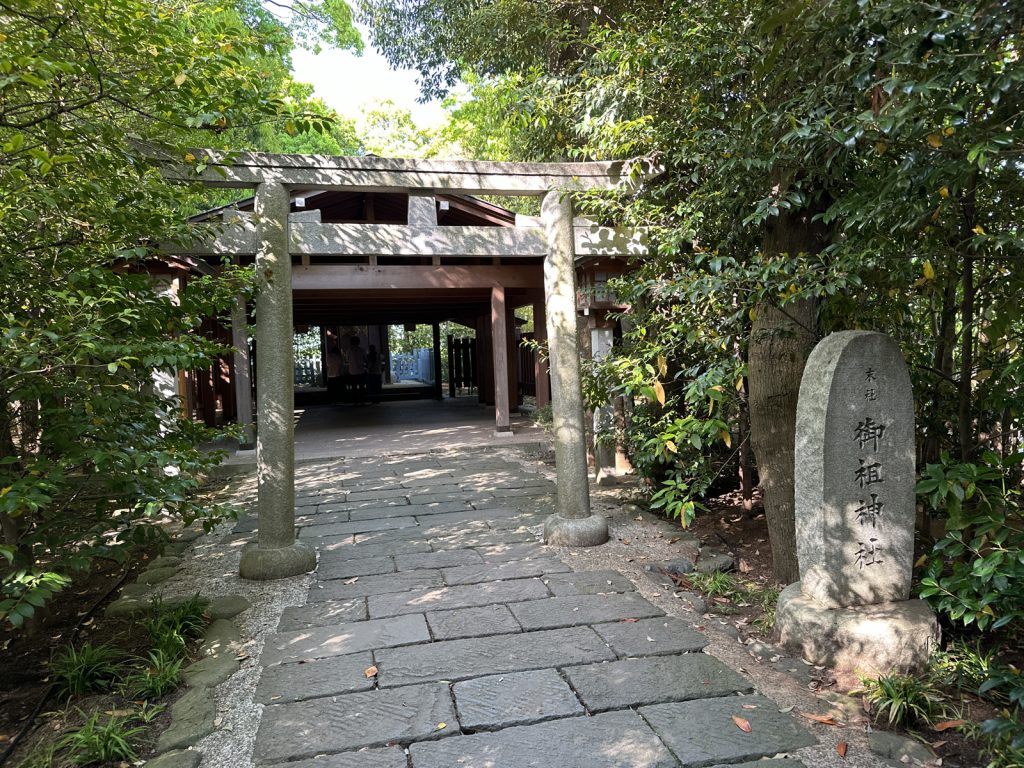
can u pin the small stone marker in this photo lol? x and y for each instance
(854, 507)
(854, 478)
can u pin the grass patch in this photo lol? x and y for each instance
(89, 669)
(172, 628)
(159, 675)
(903, 700)
(102, 739)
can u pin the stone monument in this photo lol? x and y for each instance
(854, 506)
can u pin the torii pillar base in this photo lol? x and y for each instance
(589, 531)
(261, 564)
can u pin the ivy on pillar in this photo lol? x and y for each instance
(275, 554)
(572, 524)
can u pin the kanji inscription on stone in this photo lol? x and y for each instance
(855, 472)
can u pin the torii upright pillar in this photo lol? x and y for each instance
(572, 524)
(275, 554)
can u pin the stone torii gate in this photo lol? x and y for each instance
(273, 240)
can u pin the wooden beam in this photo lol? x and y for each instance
(378, 174)
(363, 277)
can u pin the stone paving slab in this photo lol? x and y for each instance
(581, 609)
(472, 622)
(388, 757)
(651, 637)
(516, 698)
(354, 549)
(612, 740)
(322, 614)
(341, 639)
(320, 518)
(512, 569)
(462, 659)
(396, 536)
(358, 526)
(366, 719)
(520, 522)
(416, 509)
(654, 680)
(447, 598)
(499, 553)
(376, 494)
(355, 506)
(589, 583)
(338, 566)
(702, 733)
(446, 558)
(447, 529)
(421, 498)
(485, 539)
(386, 583)
(324, 677)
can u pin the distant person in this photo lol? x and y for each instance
(373, 371)
(335, 373)
(356, 372)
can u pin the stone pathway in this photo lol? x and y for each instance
(439, 632)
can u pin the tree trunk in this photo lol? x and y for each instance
(779, 345)
(780, 341)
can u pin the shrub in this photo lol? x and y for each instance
(90, 669)
(976, 572)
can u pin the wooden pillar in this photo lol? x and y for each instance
(452, 353)
(540, 365)
(275, 554)
(499, 349)
(436, 328)
(512, 355)
(485, 360)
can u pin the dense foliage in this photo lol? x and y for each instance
(89, 449)
(828, 165)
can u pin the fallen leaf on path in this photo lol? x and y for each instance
(353, 580)
(673, 540)
(442, 726)
(823, 719)
(937, 744)
(744, 566)
(742, 724)
(370, 671)
(629, 621)
(945, 725)
(841, 749)
(750, 706)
